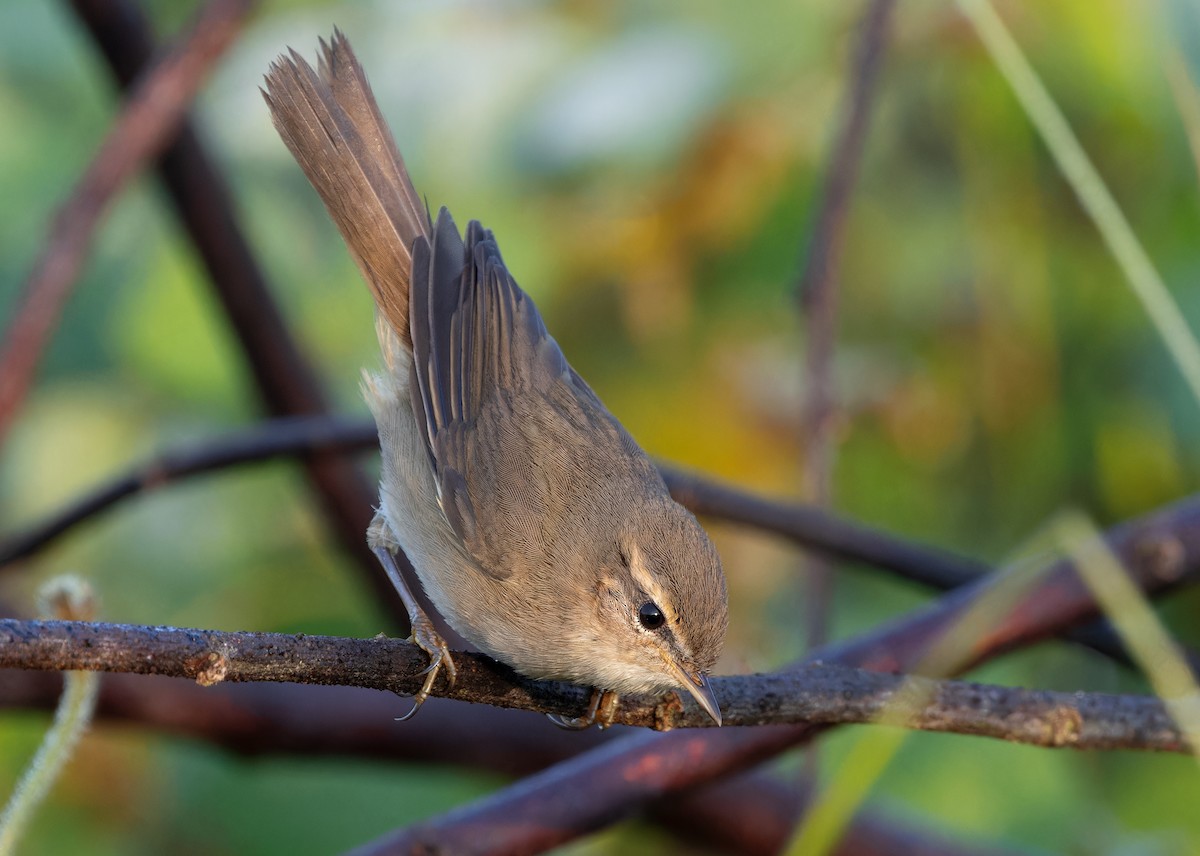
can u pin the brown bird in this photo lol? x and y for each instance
(539, 529)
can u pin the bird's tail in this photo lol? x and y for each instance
(331, 123)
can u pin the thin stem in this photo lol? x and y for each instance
(1090, 188)
(71, 719)
(818, 296)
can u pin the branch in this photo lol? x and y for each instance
(841, 538)
(819, 280)
(823, 531)
(286, 382)
(824, 694)
(154, 110)
(755, 813)
(299, 435)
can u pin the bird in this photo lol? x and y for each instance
(538, 528)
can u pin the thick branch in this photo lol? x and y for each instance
(154, 110)
(823, 694)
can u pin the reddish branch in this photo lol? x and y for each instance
(155, 107)
(610, 782)
(824, 694)
(286, 382)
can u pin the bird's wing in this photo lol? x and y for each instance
(502, 410)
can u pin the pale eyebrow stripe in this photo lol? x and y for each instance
(643, 577)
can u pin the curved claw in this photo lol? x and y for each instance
(416, 706)
(432, 644)
(601, 710)
(571, 723)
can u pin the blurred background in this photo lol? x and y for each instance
(650, 170)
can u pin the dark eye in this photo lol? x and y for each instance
(651, 616)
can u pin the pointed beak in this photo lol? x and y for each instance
(700, 689)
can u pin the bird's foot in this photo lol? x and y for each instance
(431, 642)
(382, 542)
(601, 711)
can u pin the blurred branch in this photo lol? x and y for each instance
(286, 382)
(149, 117)
(620, 777)
(753, 816)
(817, 288)
(824, 531)
(306, 435)
(825, 694)
(291, 436)
(809, 527)
(817, 291)
(263, 719)
(840, 538)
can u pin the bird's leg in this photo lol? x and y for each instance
(382, 544)
(601, 711)
(606, 710)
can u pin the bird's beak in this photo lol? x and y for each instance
(700, 689)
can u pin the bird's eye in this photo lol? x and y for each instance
(651, 616)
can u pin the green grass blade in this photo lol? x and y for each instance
(1089, 187)
(1139, 627)
(835, 806)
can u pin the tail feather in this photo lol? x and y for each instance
(330, 121)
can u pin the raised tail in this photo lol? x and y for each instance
(331, 123)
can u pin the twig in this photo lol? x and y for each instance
(291, 436)
(622, 777)
(818, 294)
(817, 693)
(286, 382)
(839, 538)
(817, 529)
(155, 107)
